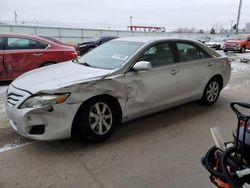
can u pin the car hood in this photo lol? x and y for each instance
(58, 76)
(233, 41)
(212, 43)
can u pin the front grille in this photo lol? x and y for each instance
(230, 45)
(16, 96)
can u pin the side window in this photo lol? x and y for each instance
(248, 38)
(189, 52)
(1, 43)
(21, 43)
(159, 55)
(43, 45)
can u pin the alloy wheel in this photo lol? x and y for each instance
(212, 91)
(100, 118)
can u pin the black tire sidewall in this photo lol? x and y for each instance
(243, 49)
(86, 133)
(204, 100)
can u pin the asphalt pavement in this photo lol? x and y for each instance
(160, 150)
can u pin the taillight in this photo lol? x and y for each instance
(73, 55)
(229, 61)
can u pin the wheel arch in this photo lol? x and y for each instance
(46, 63)
(219, 78)
(111, 98)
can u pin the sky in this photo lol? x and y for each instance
(172, 14)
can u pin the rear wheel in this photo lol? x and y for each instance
(211, 92)
(97, 120)
(224, 50)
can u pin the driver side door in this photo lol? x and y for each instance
(154, 89)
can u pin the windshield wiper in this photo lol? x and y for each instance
(86, 64)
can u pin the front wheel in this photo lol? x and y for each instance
(218, 47)
(243, 49)
(211, 92)
(97, 120)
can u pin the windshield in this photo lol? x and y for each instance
(238, 37)
(110, 55)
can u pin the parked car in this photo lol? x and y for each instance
(94, 42)
(204, 39)
(216, 43)
(22, 53)
(118, 81)
(53, 39)
(237, 43)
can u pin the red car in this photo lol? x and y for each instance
(22, 53)
(237, 43)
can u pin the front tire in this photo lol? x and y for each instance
(211, 92)
(96, 120)
(243, 49)
(218, 47)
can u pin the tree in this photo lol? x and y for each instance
(212, 31)
(201, 31)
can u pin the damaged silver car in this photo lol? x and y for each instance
(118, 81)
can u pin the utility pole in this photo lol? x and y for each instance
(15, 17)
(238, 18)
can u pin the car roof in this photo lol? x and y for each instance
(151, 39)
(25, 36)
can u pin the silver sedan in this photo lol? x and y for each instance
(118, 81)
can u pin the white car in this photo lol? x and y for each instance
(121, 80)
(216, 43)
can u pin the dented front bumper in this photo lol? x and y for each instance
(55, 120)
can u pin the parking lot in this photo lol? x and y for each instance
(161, 150)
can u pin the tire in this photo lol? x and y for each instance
(211, 92)
(243, 49)
(94, 124)
(218, 47)
(224, 50)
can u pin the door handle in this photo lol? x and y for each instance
(37, 54)
(174, 71)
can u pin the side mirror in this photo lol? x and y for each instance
(142, 66)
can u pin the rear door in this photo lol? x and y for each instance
(2, 69)
(195, 66)
(21, 55)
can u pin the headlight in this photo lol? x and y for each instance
(38, 101)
